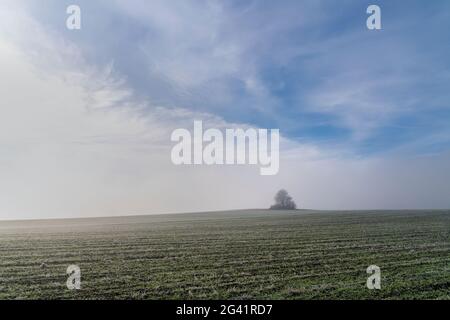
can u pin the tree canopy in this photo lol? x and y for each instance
(283, 201)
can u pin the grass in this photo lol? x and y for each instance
(253, 254)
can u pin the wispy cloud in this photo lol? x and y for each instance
(304, 66)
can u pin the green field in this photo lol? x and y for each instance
(254, 254)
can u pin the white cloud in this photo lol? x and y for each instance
(76, 141)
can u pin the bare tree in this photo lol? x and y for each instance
(283, 201)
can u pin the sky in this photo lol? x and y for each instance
(86, 115)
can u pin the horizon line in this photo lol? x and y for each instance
(216, 211)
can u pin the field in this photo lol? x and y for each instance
(254, 254)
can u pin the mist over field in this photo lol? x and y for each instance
(248, 254)
(142, 144)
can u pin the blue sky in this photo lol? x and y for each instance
(310, 68)
(86, 116)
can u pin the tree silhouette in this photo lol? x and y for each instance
(283, 201)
